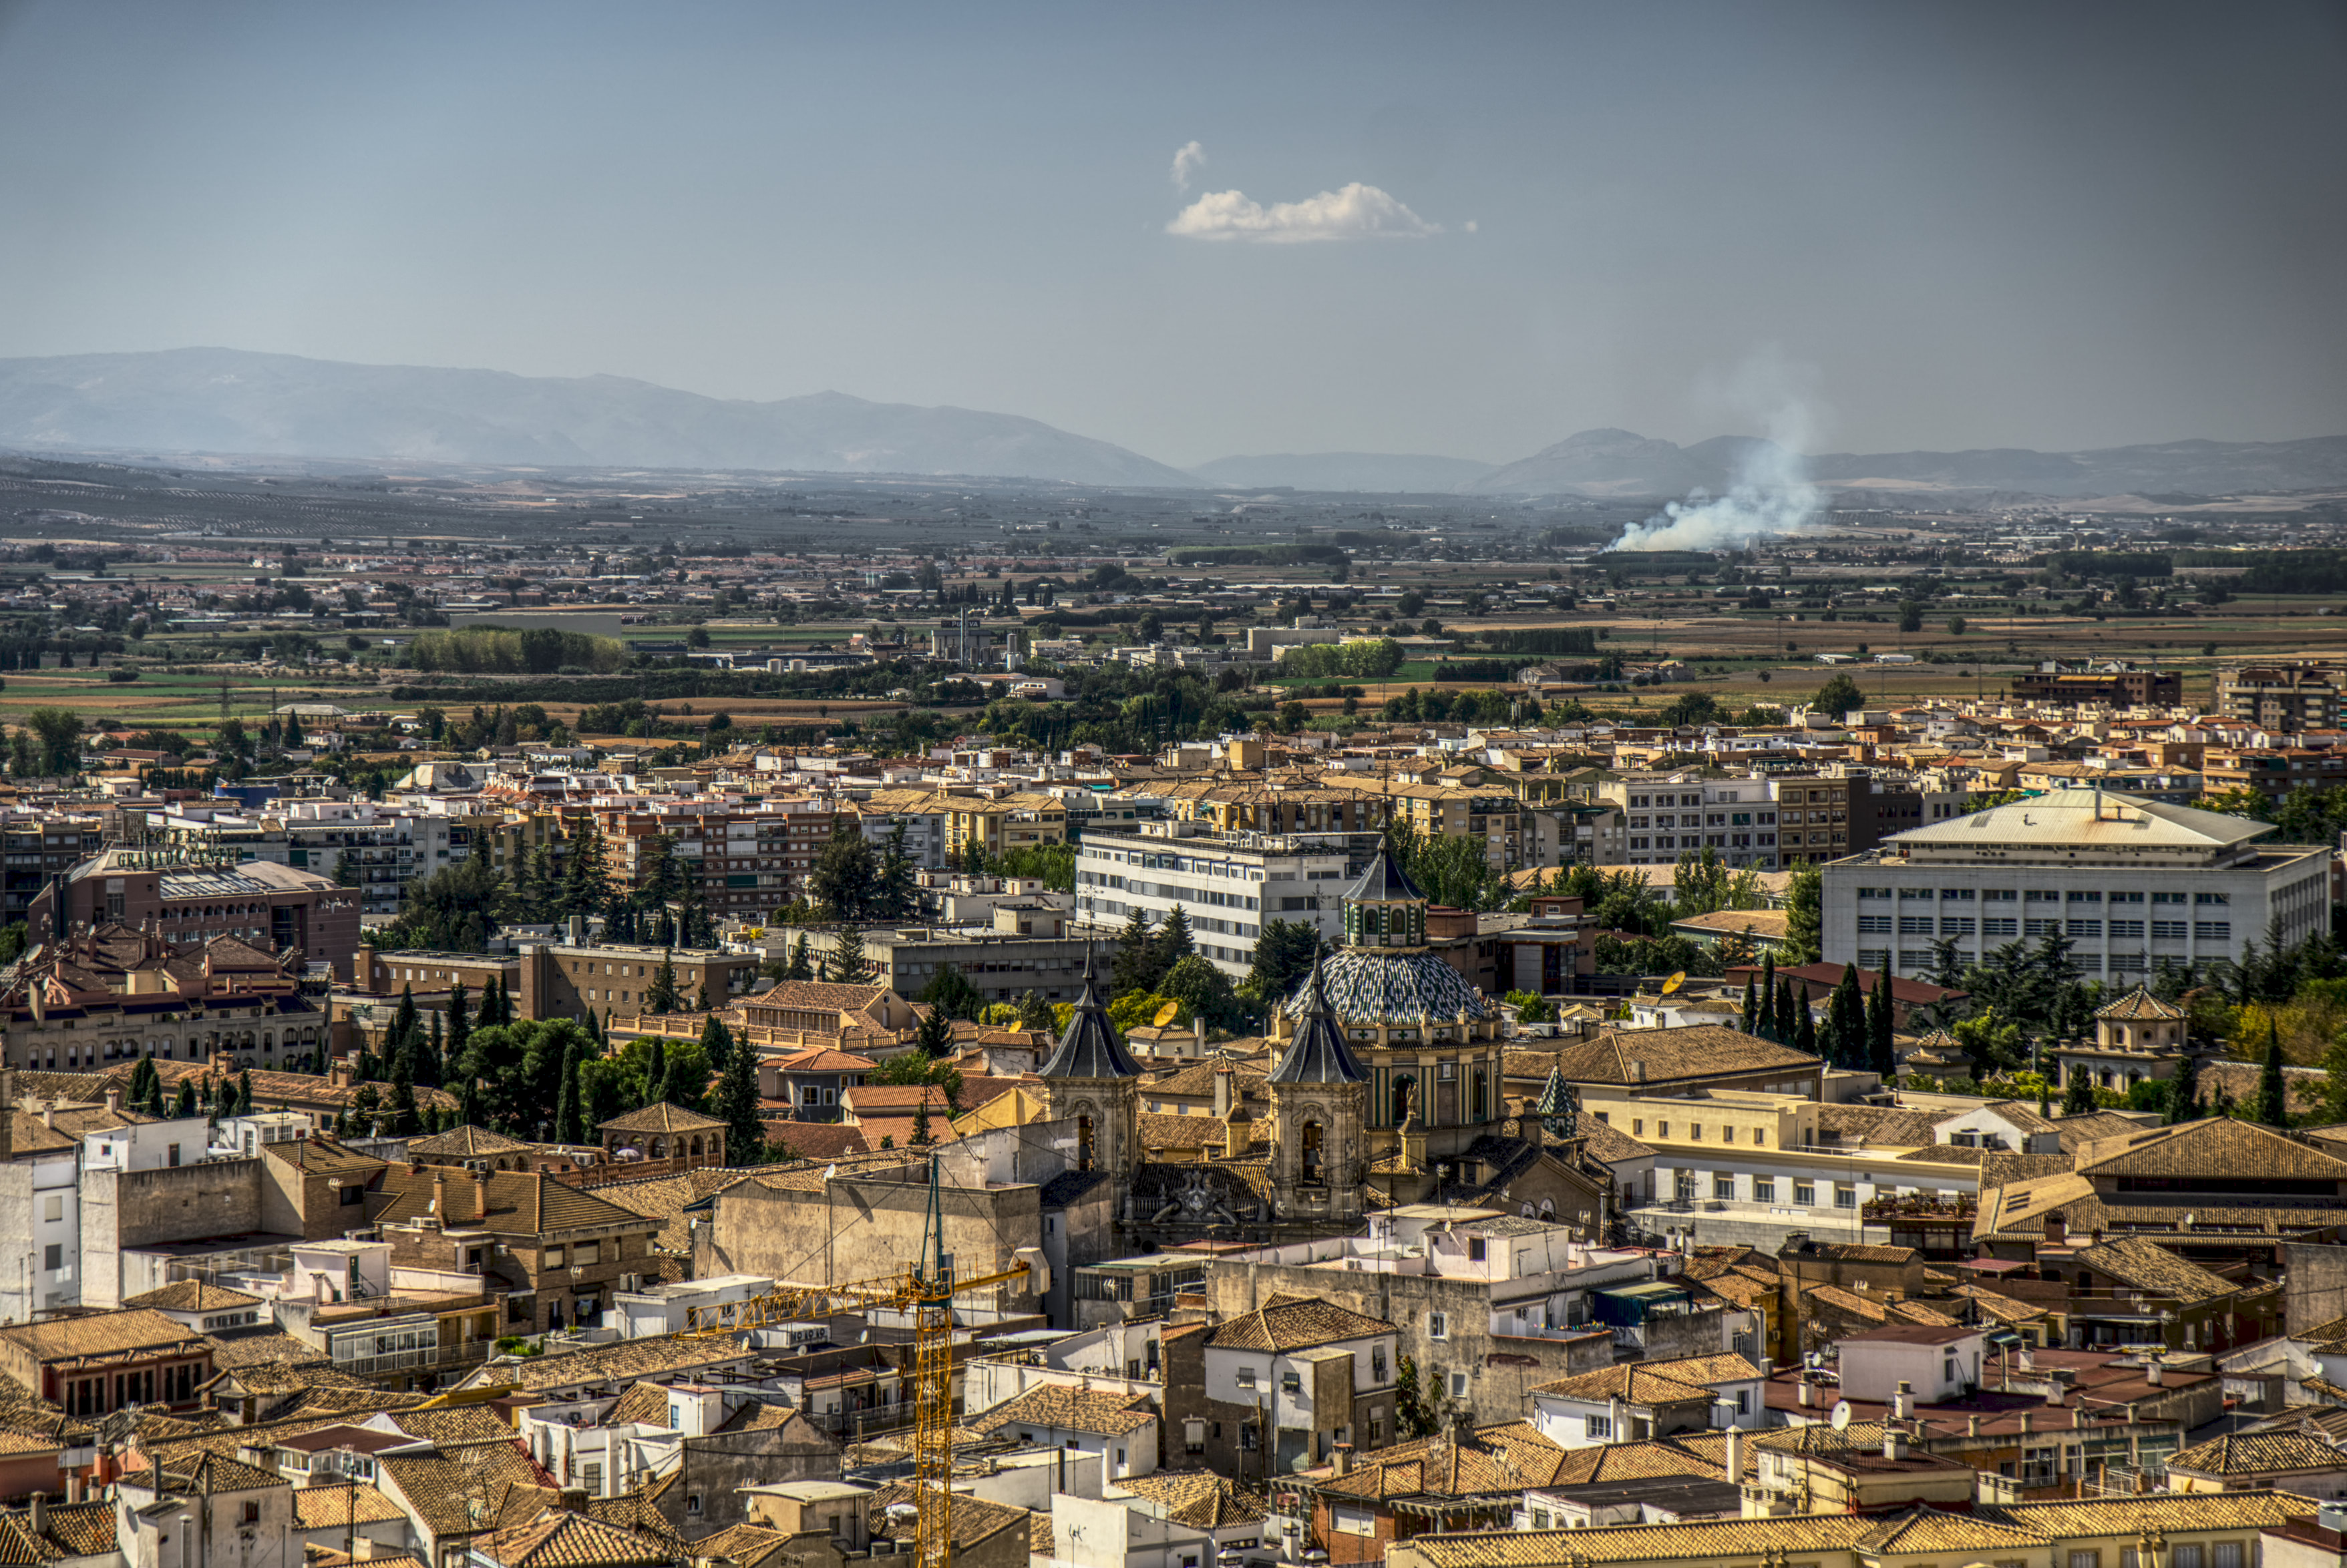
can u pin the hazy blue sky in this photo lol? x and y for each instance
(2037, 224)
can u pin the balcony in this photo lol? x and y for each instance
(438, 1357)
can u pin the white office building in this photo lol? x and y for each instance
(2131, 882)
(1228, 884)
(1667, 814)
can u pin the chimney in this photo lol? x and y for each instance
(40, 1514)
(1340, 1459)
(1972, 1426)
(440, 1197)
(2028, 1423)
(1637, 1072)
(113, 1100)
(1223, 1076)
(2157, 1373)
(575, 931)
(1806, 1398)
(1198, 1034)
(1902, 1403)
(1735, 1454)
(1767, 1366)
(2029, 1358)
(2056, 1232)
(480, 1196)
(1894, 1440)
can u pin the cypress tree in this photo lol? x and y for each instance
(1805, 1036)
(429, 1062)
(1752, 1006)
(1880, 1034)
(715, 1038)
(460, 1021)
(184, 1106)
(567, 1128)
(801, 967)
(656, 1074)
(737, 1103)
(1768, 1024)
(244, 1092)
(2184, 1090)
(1850, 1035)
(1789, 1012)
(2273, 1103)
(405, 1028)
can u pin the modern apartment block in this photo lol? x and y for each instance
(1228, 884)
(749, 861)
(2288, 696)
(2130, 881)
(1667, 814)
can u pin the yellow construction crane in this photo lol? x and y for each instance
(925, 1291)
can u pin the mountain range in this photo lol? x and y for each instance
(237, 403)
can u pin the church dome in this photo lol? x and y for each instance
(1366, 989)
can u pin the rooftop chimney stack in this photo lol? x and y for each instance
(1902, 1403)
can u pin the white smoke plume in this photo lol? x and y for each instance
(1770, 497)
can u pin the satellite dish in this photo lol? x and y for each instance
(1674, 982)
(1167, 1014)
(1841, 1415)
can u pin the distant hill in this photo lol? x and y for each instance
(228, 401)
(1619, 462)
(1379, 471)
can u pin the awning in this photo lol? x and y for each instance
(2006, 1338)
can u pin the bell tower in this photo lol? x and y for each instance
(1093, 1080)
(1319, 1109)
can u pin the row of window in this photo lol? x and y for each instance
(1916, 960)
(1764, 1190)
(2035, 895)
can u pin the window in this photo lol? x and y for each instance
(2217, 930)
(554, 1255)
(53, 1208)
(1723, 1188)
(1759, 1136)
(1247, 1377)
(1457, 1385)
(1763, 1189)
(586, 1252)
(1193, 1437)
(1805, 1194)
(1475, 1249)
(53, 1256)
(1378, 1364)
(2228, 1554)
(692, 1503)
(1845, 1197)
(1600, 1427)
(1438, 1326)
(2085, 1560)
(252, 1512)
(2189, 1557)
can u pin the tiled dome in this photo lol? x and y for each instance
(1401, 989)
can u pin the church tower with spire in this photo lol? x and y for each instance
(1093, 1080)
(1320, 1111)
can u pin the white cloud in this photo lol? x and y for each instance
(1470, 225)
(1357, 212)
(1188, 160)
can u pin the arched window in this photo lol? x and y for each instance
(659, 1148)
(1084, 1153)
(696, 1145)
(268, 1040)
(1315, 1170)
(1405, 1094)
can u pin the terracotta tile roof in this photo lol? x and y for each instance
(320, 1156)
(443, 1487)
(72, 1530)
(2221, 1146)
(511, 1203)
(644, 1402)
(463, 1141)
(1492, 1460)
(823, 1140)
(622, 1362)
(2161, 1510)
(2258, 1453)
(1295, 1323)
(2139, 1003)
(1655, 1382)
(749, 1546)
(1064, 1406)
(559, 1539)
(1697, 1051)
(320, 1507)
(823, 1058)
(819, 996)
(899, 1098)
(1605, 1143)
(2148, 1266)
(660, 1118)
(240, 1352)
(454, 1424)
(1198, 1499)
(101, 1334)
(974, 1520)
(193, 1295)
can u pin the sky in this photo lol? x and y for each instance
(1202, 230)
